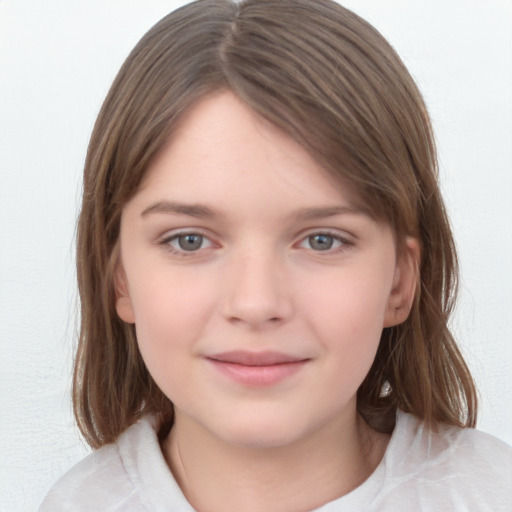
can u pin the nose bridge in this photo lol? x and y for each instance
(257, 292)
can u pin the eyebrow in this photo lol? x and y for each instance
(174, 207)
(201, 211)
(329, 211)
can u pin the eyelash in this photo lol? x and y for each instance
(167, 243)
(341, 242)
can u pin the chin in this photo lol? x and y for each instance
(262, 432)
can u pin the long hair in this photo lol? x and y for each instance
(329, 80)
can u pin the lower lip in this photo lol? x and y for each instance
(258, 376)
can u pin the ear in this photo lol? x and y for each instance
(404, 283)
(124, 306)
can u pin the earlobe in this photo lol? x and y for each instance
(404, 284)
(124, 306)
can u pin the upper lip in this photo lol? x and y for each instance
(246, 358)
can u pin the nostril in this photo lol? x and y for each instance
(268, 321)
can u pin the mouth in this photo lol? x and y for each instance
(246, 358)
(257, 369)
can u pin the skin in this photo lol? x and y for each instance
(277, 258)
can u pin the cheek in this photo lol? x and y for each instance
(349, 328)
(347, 312)
(356, 297)
(170, 315)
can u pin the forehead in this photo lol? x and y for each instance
(222, 150)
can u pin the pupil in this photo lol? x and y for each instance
(321, 242)
(190, 242)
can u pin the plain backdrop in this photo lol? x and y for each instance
(57, 60)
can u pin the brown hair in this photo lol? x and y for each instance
(331, 81)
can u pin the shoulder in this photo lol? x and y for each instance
(483, 451)
(83, 487)
(462, 469)
(128, 475)
(455, 447)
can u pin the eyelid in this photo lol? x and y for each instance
(334, 232)
(347, 240)
(171, 235)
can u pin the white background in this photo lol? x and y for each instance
(57, 60)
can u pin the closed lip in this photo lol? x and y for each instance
(257, 369)
(247, 358)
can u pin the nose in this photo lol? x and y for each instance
(257, 291)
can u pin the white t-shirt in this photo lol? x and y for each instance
(457, 470)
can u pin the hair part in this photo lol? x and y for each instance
(329, 80)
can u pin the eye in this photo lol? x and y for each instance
(322, 242)
(188, 242)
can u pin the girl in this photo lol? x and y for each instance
(266, 272)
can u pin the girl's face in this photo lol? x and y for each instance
(259, 290)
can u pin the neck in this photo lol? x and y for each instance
(216, 476)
